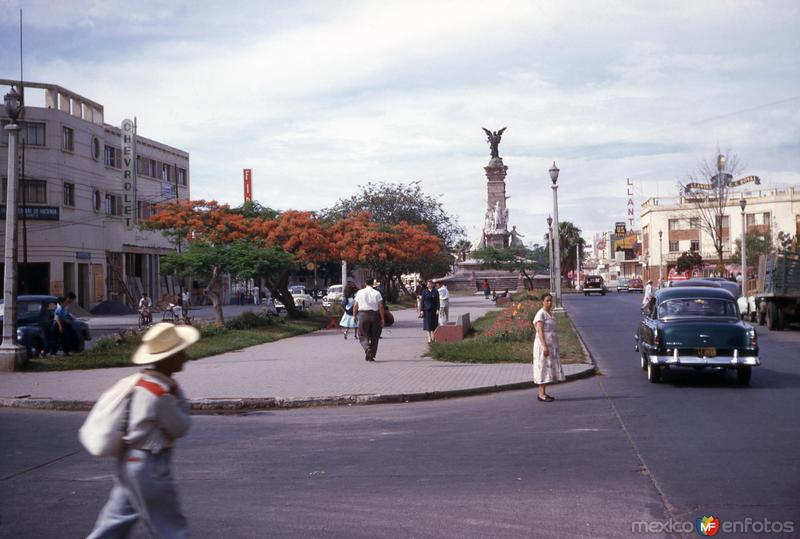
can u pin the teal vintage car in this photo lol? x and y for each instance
(695, 327)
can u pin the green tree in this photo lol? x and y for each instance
(392, 203)
(569, 237)
(688, 261)
(249, 260)
(205, 261)
(509, 259)
(757, 245)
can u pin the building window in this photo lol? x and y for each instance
(695, 246)
(67, 135)
(182, 176)
(151, 168)
(674, 224)
(95, 148)
(765, 218)
(110, 156)
(69, 194)
(673, 246)
(726, 221)
(694, 223)
(35, 192)
(113, 205)
(139, 165)
(96, 200)
(750, 219)
(33, 134)
(164, 172)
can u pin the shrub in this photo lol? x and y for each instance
(249, 320)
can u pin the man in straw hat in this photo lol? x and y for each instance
(158, 415)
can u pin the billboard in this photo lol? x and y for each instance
(248, 185)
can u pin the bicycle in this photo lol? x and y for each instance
(145, 318)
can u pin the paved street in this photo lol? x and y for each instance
(612, 450)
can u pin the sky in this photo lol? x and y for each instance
(319, 98)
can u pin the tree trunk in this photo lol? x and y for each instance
(213, 292)
(527, 278)
(279, 288)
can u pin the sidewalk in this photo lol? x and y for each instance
(320, 368)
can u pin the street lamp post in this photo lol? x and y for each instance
(743, 205)
(556, 243)
(578, 267)
(550, 248)
(660, 256)
(11, 353)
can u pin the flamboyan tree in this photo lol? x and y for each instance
(300, 234)
(208, 227)
(385, 250)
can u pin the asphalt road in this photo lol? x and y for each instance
(612, 450)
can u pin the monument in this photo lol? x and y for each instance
(469, 274)
(495, 228)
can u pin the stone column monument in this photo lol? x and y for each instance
(495, 230)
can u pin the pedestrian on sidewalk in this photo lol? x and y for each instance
(158, 414)
(430, 310)
(487, 289)
(546, 361)
(348, 320)
(63, 334)
(444, 304)
(369, 311)
(418, 294)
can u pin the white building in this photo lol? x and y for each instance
(671, 226)
(75, 200)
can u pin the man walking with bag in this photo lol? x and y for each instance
(157, 415)
(369, 311)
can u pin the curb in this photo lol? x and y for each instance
(249, 404)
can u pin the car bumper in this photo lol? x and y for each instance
(734, 360)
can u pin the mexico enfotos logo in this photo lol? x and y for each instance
(709, 526)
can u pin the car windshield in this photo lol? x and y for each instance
(689, 307)
(297, 291)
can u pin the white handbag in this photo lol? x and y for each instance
(102, 432)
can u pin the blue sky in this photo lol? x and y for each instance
(321, 97)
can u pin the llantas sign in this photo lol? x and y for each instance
(631, 208)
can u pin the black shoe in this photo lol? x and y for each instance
(546, 398)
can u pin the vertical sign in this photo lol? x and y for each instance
(248, 185)
(631, 208)
(128, 171)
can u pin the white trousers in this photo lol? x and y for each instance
(143, 488)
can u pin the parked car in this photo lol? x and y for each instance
(593, 284)
(696, 327)
(635, 285)
(622, 284)
(333, 296)
(302, 300)
(35, 317)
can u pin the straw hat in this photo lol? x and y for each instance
(163, 340)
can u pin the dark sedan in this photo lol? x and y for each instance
(34, 319)
(696, 327)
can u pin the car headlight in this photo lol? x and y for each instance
(19, 334)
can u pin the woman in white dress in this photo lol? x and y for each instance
(546, 363)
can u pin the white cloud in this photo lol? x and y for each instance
(318, 98)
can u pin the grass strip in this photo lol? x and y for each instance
(107, 353)
(511, 347)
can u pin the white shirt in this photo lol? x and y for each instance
(444, 293)
(368, 299)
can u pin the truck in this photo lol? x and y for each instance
(776, 298)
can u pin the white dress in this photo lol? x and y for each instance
(546, 370)
(348, 320)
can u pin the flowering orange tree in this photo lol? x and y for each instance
(386, 250)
